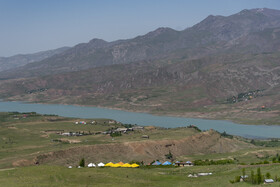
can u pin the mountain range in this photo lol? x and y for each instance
(21, 60)
(166, 71)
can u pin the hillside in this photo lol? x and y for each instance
(177, 88)
(203, 143)
(15, 61)
(31, 138)
(213, 35)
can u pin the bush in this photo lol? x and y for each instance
(115, 134)
(213, 162)
(237, 179)
(82, 162)
(266, 162)
(169, 156)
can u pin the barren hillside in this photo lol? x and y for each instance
(205, 142)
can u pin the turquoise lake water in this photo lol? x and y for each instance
(250, 131)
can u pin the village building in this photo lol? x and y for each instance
(145, 136)
(183, 164)
(122, 130)
(268, 181)
(112, 122)
(137, 128)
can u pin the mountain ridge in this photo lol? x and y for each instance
(197, 41)
(19, 60)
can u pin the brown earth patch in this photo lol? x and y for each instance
(23, 162)
(202, 143)
(70, 140)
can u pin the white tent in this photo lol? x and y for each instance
(100, 164)
(70, 167)
(90, 165)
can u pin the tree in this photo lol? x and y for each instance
(169, 156)
(267, 175)
(253, 142)
(259, 176)
(82, 162)
(252, 177)
(243, 172)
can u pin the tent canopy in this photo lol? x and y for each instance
(156, 163)
(134, 165)
(167, 163)
(100, 164)
(91, 165)
(109, 164)
(115, 165)
(126, 165)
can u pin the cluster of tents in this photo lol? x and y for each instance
(126, 165)
(117, 165)
(121, 164)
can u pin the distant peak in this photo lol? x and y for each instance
(160, 30)
(264, 11)
(96, 40)
(157, 32)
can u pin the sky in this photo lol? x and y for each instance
(29, 26)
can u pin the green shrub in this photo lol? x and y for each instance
(82, 162)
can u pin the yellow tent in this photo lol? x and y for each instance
(126, 165)
(116, 165)
(109, 164)
(134, 165)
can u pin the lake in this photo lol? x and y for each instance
(250, 131)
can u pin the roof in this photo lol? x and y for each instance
(121, 129)
(268, 180)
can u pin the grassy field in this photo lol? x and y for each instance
(24, 136)
(163, 177)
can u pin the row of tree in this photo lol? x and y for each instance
(253, 178)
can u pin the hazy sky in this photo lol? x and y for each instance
(29, 26)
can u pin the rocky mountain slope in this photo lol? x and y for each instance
(213, 35)
(15, 61)
(207, 68)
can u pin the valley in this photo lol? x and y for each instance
(31, 153)
(213, 90)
